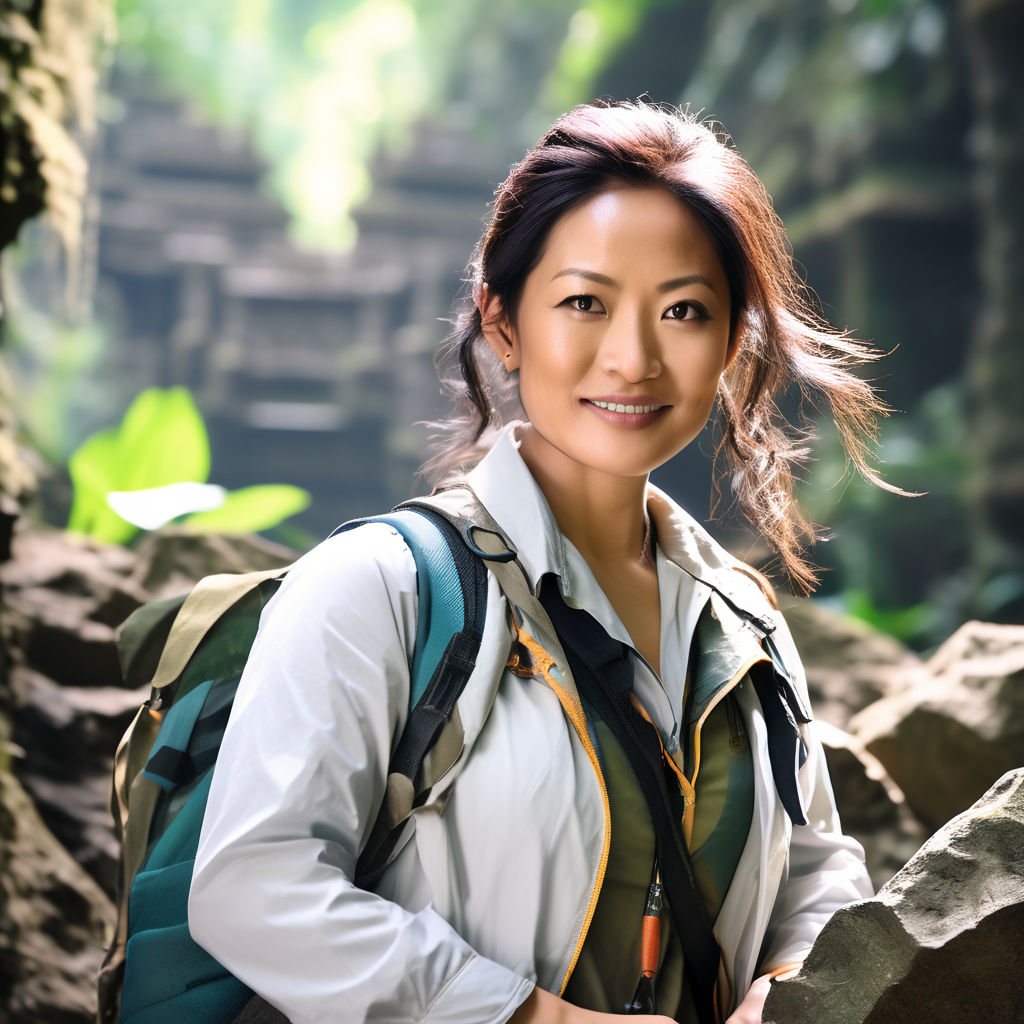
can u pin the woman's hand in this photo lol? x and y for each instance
(542, 1007)
(750, 1010)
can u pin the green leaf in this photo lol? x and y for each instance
(901, 623)
(94, 468)
(251, 509)
(163, 441)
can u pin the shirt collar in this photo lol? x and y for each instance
(506, 487)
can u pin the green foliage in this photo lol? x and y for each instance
(335, 80)
(50, 357)
(596, 31)
(251, 509)
(856, 82)
(162, 440)
(889, 549)
(905, 624)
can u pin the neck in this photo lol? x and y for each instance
(604, 516)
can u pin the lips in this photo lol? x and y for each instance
(632, 407)
(627, 410)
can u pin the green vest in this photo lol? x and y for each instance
(609, 964)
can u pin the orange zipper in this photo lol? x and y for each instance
(684, 782)
(542, 664)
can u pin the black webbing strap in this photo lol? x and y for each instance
(603, 671)
(429, 715)
(434, 708)
(259, 1011)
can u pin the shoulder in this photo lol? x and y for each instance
(762, 582)
(361, 580)
(370, 553)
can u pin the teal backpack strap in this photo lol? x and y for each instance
(168, 978)
(450, 588)
(451, 583)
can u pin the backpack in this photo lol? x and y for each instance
(191, 650)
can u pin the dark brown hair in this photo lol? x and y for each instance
(781, 340)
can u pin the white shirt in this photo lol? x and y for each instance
(505, 486)
(492, 892)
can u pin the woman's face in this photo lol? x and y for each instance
(621, 335)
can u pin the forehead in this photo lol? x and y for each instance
(630, 226)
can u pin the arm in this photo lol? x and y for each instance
(298, 782)
(826, 868)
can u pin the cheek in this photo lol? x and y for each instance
(555, 366)
(701, 367)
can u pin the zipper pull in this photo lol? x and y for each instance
(643, 1000)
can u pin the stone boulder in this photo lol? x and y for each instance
(871, 806)
(957, 726)
(54, 921)
(63, 599)
(66, 737)
(849, 664)
(17, 478)
(171, 560)
(941, 942)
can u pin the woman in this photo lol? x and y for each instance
(633, 272)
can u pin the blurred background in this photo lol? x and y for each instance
(264, 209)
(231, 237)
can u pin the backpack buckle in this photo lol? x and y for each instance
(497, 553)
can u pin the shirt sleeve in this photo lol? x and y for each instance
(299, 778)
(826, 868)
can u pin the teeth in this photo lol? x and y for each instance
(617, 407)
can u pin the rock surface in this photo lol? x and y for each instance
(872, 807)
(957, 726)
(17, 480)
(54, 921)
(64, 708)
(66, 737)
(849, 665)
(64, 597)
(942, 941)
(170, 561)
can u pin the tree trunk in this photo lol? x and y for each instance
(995, 420)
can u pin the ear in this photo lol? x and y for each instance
(735, 341)
(496, 328)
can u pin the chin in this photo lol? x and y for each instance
(616, 463)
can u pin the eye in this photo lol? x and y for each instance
(584, 304)
(686, 310)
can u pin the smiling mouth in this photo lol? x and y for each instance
(618, 407)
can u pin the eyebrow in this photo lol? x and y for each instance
(665, 286)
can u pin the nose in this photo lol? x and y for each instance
(630, 350)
